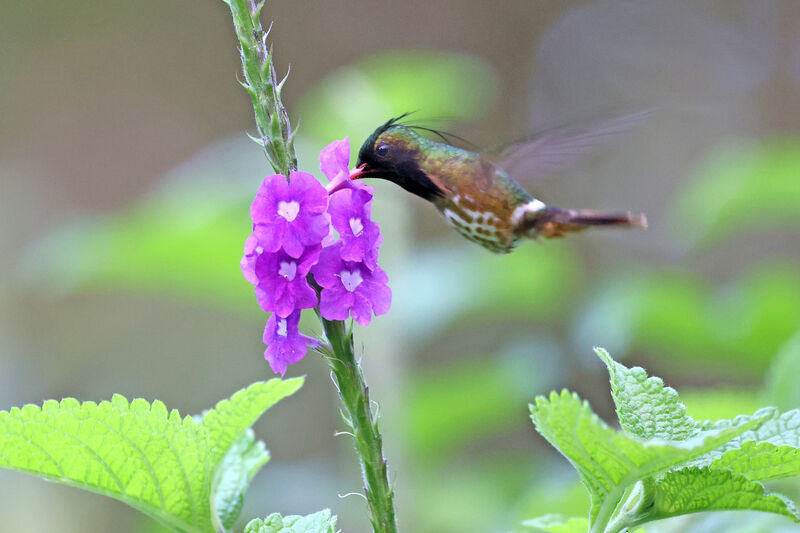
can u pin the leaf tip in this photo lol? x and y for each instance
(603, 354)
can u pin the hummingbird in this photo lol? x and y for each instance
(475, 194)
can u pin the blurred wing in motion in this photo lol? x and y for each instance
(554, 150)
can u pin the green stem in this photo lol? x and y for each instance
(260, 81)
(610, 504)
(633, 509)
(364, 424)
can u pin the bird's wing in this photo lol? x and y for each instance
(552, 151)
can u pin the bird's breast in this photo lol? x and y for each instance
(491, 228)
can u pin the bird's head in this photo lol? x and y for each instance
(394, 152)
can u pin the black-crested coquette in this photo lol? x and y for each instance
(475, 194)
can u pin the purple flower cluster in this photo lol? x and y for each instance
(293, 223)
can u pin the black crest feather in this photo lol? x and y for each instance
(445, 136)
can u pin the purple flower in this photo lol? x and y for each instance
(282, 285)
(252, 251)
(292, 213)
(285, 344)
(334, 162)
(293, 234)
(350, 288)
(350, 214)
(248, 263)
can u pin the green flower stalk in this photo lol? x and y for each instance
(363, 423)
(346, 278)
(261, 82)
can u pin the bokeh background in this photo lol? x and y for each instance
(125, 180)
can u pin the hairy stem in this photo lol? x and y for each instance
(260, 81)
(358, 415)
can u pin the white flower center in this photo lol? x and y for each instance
(282, 327)
(288, 270)
(288, 210)
(351, 280)
(356, 226)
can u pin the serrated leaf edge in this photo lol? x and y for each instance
(157, 408)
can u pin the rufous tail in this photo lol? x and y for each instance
(552, 222)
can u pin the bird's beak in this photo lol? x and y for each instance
(358, 172)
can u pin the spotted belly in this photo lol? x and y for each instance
(482, 227)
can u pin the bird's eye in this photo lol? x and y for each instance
(382, 150)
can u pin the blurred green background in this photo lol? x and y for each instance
(125, 180)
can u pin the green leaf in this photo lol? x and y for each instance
(648, 409)
(781, 430)
(554, 523)
(140, 453)
(761, 462)
(665, 463)
(231, 417)
(320, 522)
(607, 461)
(645, 407)
(242, 462)
(694, 490)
